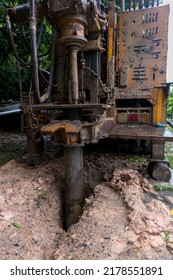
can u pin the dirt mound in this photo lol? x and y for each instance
(117, 224)
(30, 211)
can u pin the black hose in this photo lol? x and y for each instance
(52, 61)
(170, 123)
(28, 45)
(19, 80)
(25, 38)
(40, 33)
(35, 68)
(58, 83)
(43, 54)
(8, 23)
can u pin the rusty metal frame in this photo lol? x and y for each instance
(143, 47)
(76, 133)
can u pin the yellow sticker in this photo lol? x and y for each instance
(171, 211)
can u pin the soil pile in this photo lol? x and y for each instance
(118, 224)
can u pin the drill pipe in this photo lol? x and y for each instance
(74, 73)
(74, 196)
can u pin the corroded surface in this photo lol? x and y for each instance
(143, 47)
(141, 132)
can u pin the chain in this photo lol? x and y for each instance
(33, 121)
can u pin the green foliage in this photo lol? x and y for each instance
(9, 88)
(170, 159)
(8, 82)
(8, 77)
(170, 105)
(163, 188)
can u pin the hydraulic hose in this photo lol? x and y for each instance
(40, 33)
(27, 45)
(52, 61)
(122, 5)
(9, 29)
(35, 75)
(39, 36)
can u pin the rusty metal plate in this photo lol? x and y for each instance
(134, 115)
(67, 126)
(124, 131)
(143, 45)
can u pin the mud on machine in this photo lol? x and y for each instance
(107, 78)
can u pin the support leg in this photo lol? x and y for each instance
(35, 143)
(158, 167)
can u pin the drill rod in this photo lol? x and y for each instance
(73, 158)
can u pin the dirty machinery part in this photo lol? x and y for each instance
(106, 79)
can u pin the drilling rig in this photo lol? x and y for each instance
(107, 78)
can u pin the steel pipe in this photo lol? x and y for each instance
(122, 5)
(74, 92)
(74, 195)
(10, 112)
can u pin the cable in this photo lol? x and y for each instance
(58, 83)
(105, 88)
(40, 33)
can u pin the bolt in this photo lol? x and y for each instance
(124, 31)
(124, 38)
(125, 23)
(161, 71)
